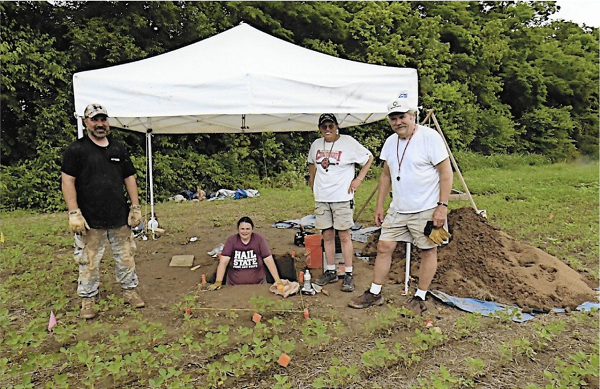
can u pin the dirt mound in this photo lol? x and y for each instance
(484, 263)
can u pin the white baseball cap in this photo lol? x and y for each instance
(401, 105)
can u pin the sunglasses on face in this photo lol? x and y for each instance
(327, 126)
(99, 118)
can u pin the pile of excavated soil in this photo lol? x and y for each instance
(483, 262)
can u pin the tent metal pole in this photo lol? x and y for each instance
(79, 127)
(453, 162)
(152, 223)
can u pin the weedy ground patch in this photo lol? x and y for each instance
(553, 207)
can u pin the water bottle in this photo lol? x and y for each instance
(307, 288)
(307, 277)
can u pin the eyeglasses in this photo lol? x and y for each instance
(99, 118)
(327, 126)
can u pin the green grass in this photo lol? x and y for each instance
(126, 350)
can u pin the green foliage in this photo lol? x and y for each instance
(578, 371)
(443, 380)
(500, 77)
(338, 375)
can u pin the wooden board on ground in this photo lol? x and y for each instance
(182, 261)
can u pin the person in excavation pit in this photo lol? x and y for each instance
(245, 256)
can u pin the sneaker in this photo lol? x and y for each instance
(416, 305)
(87, 308)
(366, 300)
(348, 283)
(328, 277)
(133, 299)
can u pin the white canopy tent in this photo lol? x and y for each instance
(241, 80)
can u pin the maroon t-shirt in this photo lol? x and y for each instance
(246, 260)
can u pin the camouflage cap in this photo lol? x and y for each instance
(93, 110)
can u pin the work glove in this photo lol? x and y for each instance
(216, 286)
(77, 222)
(284, 288)
(436, 235)
(135, 215)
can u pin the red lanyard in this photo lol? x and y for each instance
(405, 147)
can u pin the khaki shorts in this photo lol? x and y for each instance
(336, 215)
(407, 227)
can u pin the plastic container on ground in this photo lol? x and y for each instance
(314, 260)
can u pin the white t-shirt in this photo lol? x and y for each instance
(333, 177)
(419, 186)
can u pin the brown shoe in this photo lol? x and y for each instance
(416, 305)
(133, 299)
(87, 308)
(366, 300)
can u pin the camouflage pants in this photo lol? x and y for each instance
(89, 250)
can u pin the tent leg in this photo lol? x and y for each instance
(79, 127)
(152, 223)
(460, 176)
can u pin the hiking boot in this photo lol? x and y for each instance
(348, 283)
(133, 299)
(87, 308)
(366, 300)
(416, 305)
(328, 277)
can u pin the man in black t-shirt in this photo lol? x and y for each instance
(94, 171)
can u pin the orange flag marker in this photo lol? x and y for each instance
(284, 359)
(256, 317)
(306, 313)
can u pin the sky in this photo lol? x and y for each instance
(579, 11)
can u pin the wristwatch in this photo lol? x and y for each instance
(444, 204)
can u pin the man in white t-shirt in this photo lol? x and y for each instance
(331, 162)
(417, 170)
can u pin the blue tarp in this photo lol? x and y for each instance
(490, 308)
(486, 308)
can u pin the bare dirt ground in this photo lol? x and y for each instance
(480, 262)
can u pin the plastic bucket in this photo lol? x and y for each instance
(314, 259)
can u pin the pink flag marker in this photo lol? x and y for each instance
(52, 321)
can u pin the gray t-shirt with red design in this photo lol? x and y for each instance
(246, 264)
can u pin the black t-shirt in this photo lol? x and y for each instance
(99, 173)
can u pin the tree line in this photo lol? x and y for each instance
(500, 76)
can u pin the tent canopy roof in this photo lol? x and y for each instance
(241, 80)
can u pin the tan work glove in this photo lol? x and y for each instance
(135, 215)
(284, 288)
(439, 235)
(215, 286)
(77, 222)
